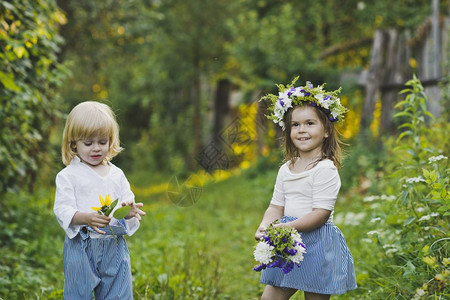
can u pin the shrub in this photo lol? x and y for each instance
(409, 245)
(29, 76)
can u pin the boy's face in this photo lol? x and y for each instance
(93, 151)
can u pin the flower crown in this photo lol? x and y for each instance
(290, 96)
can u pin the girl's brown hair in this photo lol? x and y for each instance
(87, 120)
(331, 148)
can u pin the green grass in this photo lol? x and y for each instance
(206, 245)
(211, 240)
(203, 251)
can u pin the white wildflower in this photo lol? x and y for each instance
(436, 158)
(392, 250)
(373, 232)
(263, 252)
(351, 218)
(388, 198)
(428, 217)
(420, 292)
(425, 218)
(370, 198)
(415, 179)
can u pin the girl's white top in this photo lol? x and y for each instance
(78, 188)
(299, 193)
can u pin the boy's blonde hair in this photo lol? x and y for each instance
(87, 120)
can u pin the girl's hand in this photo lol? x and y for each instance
(259, 232)
(135, 210)
(96, 220)
(277, 225)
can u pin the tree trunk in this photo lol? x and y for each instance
(196, 118)
(221, 108)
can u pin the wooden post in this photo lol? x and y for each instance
(372, 81)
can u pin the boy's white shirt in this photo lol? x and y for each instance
(78, 188)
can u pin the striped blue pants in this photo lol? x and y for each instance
(96, 266)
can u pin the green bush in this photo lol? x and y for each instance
(406, 254)
(29, 76)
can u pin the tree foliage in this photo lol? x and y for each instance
(157, 63)
(29, 76)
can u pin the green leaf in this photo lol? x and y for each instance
(405, 91)
(20, 51)
(404, 134)
(409, 221)
(122, 212)
(111, 207)
(409, 270)
(406, 125)
(402, 113)
(405, 197)
(8, 82)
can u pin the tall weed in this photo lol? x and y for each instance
(409, 243)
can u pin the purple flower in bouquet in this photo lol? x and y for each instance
(280, 247)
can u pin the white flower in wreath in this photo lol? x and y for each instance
(320, 98)
(334, 113)
(327, 102)
(278, 114)
(297, 92)
(284, 99)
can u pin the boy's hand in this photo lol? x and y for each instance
(135, 210)
(96, 220)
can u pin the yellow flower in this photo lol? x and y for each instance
(96, 208)
(429, 260)
(107, 201)
(439, 277)
(105, 209)
(446, 261)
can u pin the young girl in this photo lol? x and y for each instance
(93, 262)
(305, 192)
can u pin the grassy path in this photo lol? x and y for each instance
(203, 251)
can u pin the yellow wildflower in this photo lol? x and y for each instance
(429, 260)
(439, 277)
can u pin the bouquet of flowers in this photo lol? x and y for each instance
(280, 247)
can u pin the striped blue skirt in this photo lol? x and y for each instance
(327, 267)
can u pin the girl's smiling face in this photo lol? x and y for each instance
(307, 131)
(93, 151)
